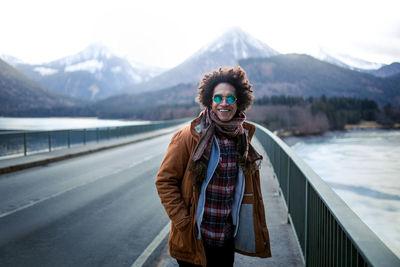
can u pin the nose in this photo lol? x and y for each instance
(224, 101)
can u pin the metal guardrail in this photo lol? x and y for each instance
(329, 233)
(30, 142)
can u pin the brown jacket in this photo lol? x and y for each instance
(177, 194)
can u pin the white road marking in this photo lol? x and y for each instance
(34, 202)
(153, 245)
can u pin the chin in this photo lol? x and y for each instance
(225, 118)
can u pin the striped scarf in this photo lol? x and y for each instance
(247, 157)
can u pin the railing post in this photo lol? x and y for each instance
(279, 162)
(288, 186)
(69, 138)
(306, 222)
(84, 136)
(49, 135)
(25, 145)
(97, 135)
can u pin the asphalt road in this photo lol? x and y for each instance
(101, 209)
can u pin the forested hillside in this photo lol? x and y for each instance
(19, 95)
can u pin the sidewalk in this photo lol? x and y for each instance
(24, 162)
(284, 248)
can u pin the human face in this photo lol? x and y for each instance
(224, 110)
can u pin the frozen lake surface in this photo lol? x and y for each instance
(363, 168)
(34, 124)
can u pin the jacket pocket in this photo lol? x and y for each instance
(182, 241)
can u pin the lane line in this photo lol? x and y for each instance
(34, 202)
(153, 245)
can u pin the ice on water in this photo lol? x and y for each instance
(362, 167)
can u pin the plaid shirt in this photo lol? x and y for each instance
(216, 226)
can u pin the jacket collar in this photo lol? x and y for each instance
(196, 126)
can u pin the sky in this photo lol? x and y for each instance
(165, 33)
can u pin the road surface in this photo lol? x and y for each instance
(101, 209)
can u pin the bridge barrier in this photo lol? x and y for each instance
(23, 143)
(328, 232)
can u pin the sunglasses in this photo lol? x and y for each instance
(230, 99)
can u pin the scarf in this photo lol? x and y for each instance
(246, 156)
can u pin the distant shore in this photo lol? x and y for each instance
(369, 125)
(363, 125)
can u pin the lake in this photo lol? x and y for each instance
(363, 168)
(60, 123)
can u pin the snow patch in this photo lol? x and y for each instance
(137, 78)
(91, 66)
(13, 61)
(358, 63)
(94, 89)
(93, 51)
(344, 60)
(45, 71)
(116, 69)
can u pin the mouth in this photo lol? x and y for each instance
(223, 110)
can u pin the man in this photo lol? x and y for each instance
(209, 180)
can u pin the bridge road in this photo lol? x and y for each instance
(100, 209)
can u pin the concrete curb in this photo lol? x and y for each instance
(50, 159)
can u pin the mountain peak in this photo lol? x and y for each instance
(97, 50)
(239, 44)
(94, 51)
(234, 32)
(232, 46)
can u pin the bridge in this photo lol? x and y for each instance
(95, 204)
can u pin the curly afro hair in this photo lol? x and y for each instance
(235, 76)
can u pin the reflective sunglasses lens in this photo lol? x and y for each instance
(231, 99)
(217, 99)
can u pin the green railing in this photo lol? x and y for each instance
(23, 143)
(329, 233)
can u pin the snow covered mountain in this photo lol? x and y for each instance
(233, 45)
(94, 73)
(20, 96)
(347, 61)
(11, 60)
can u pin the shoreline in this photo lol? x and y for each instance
(363, 125)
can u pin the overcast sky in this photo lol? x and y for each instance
(164, 33)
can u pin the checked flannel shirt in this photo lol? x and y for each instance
(216, 226)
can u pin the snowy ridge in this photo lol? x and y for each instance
(151, 70)
(346, 61)
(91, 66)
(94, 73)
(13, 61)
(45, 71)
(358, 63)
(93, 51)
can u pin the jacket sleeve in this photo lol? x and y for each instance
(169, 179)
